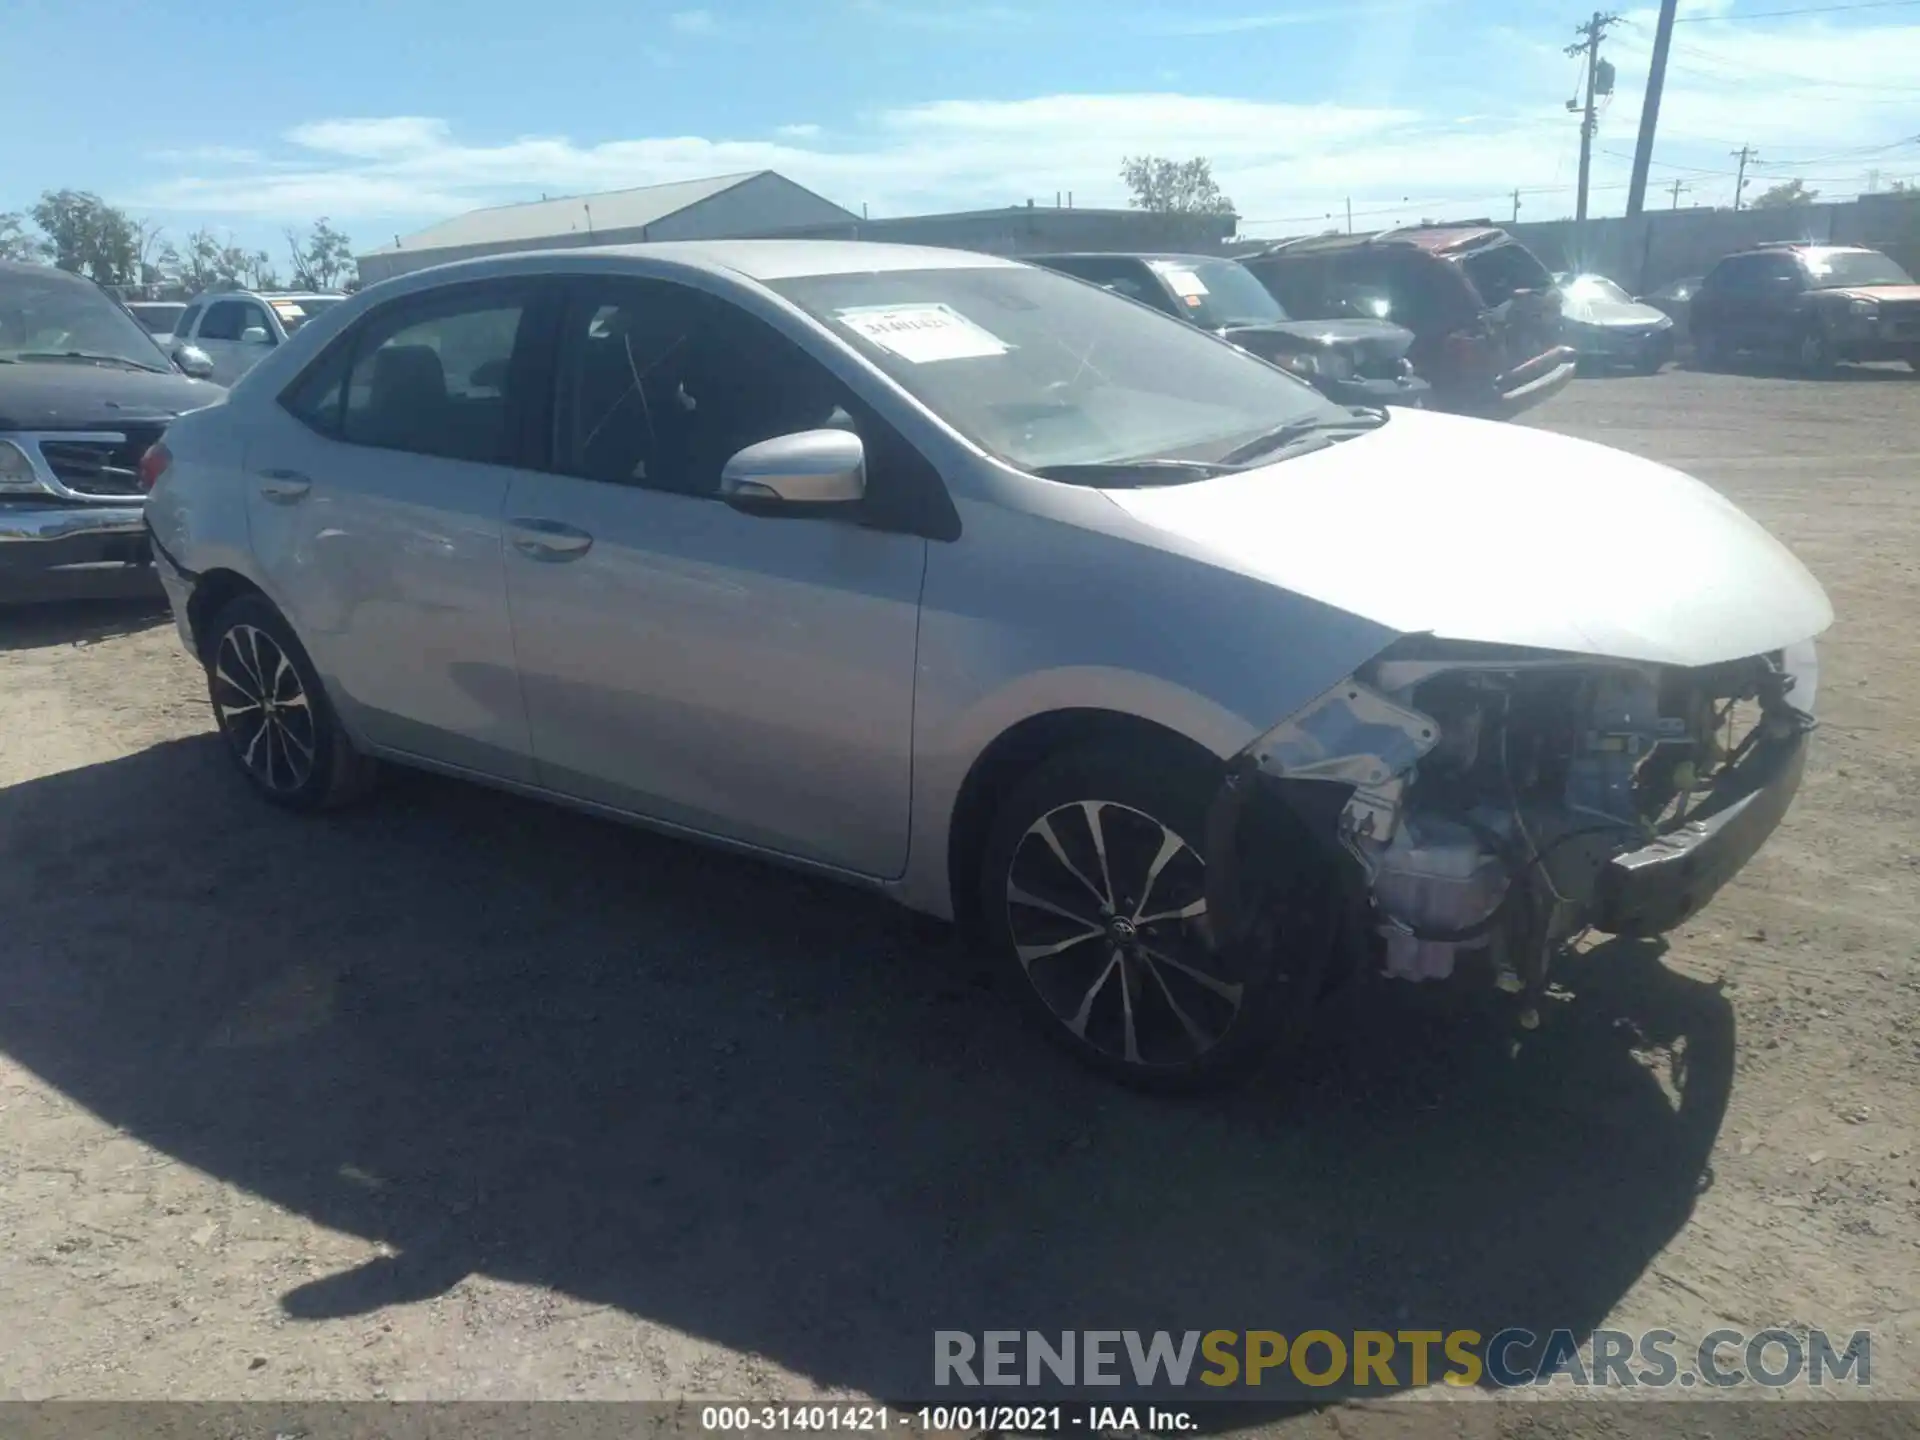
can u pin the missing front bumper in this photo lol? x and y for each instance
(1653, 889)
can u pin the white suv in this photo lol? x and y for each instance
(239, 328)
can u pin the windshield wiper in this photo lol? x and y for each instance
(88, 357)
(1357, 421)
(1138, 472)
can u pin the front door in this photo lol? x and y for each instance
(743, 676)
(236, 335)
(374, 496)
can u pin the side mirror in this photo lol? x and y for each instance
(255, 335)
(194, 362)
(804, 469)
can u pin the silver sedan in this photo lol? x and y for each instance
(1184, 688)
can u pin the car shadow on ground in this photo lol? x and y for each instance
(787, 1117)
(78, 622)
(1757, 367)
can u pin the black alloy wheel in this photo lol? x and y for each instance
(1095, 887)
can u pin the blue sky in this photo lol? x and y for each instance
(387, 115)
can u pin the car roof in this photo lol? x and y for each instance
(1171, 257)
(1444, 239)
(208, 295)
(760, 260)
(1806, 248)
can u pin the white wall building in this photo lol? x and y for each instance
(724, 208)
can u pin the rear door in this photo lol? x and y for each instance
(374, 494)
(1777, 313)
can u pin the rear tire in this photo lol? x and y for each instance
(274, 714)
(1092, 887)
(1708, 352)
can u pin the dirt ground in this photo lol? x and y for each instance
(458, 1096)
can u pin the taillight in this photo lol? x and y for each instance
(153, 465)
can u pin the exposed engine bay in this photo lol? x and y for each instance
(1499, 806)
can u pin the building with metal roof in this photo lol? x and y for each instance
(758, 203)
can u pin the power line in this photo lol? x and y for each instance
(1805, 10)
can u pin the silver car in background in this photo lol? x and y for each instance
(1181, 686)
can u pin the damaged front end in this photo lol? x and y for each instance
(1497, 805)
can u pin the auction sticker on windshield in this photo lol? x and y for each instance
(922, 333)
(1184, 283)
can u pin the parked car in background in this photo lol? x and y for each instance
(1483, 310)
(1816, 306)
(1182, 687)
(1356, 362)
(1675, 301)
(84, 391)
(237, 329)
(1608, 328)
(157, 317)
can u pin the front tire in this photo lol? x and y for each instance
(273, 713)
(1093, 889)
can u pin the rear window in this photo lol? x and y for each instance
(1502, 271)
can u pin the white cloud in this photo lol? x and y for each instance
(691, 22)
(1287, 164)
(377, 139)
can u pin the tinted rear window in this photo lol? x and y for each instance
(1502, 271)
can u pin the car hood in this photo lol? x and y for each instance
(75, 395)
(1374, 337)
(1622, 313)
(1498, 533)
(1891, 293)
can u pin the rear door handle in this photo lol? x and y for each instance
(549, 540)
(284, 487)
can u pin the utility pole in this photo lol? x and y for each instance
(1650, 108)
(1516, 205)
(1349, 214)
(1678, 186)
(1746, 154)
(1589, 44)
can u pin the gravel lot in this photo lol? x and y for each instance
(458, 1096)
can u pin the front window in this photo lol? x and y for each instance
(1501, 271)
(55, 317)
(296, 311)
(1219, 293)
(1844, 269)
(1043, 371)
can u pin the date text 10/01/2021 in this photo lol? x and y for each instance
(946, 1419)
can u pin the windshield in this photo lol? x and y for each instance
(1043, 371)
(56, 316)
(1218, 293)
(1587, 289)
(1844, 269)
(295, 311)
(157, 319)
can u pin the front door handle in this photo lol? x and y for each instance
(549, 540)
(284, 487)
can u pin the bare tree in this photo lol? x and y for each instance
(297, 253)
(16, 241)
(1174, 186)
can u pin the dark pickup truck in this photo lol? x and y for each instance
(1350, 361)
(84, 392)
(1484, 312)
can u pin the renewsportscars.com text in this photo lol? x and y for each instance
(1395, 1359)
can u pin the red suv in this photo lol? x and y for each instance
(1484, 312)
